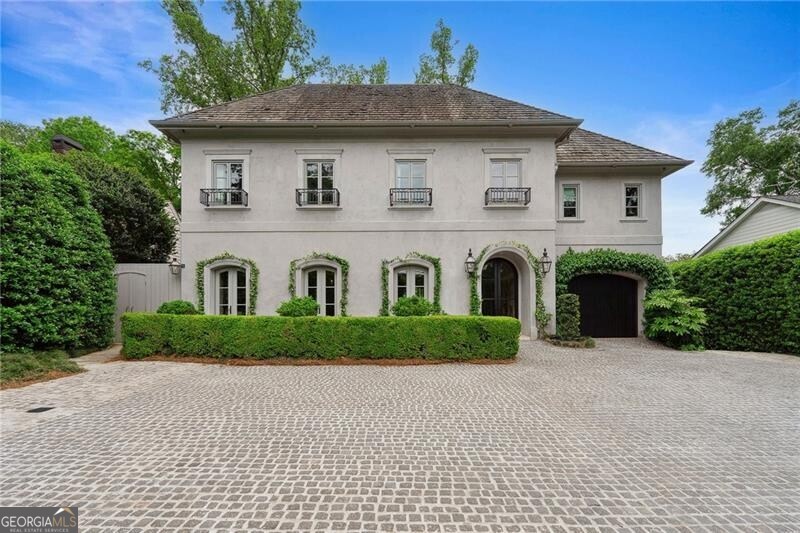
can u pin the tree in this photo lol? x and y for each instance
(133, 215)
(153, 156)
(375, 74)
(271, 48)
(57, 279)
(437, 67)
(747, 160)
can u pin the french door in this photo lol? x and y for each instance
(499, 289)
(231, 291)
(321, 285)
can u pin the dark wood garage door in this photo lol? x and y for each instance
(608, 305)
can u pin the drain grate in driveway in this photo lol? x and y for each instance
(39, 409)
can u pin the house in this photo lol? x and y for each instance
(359, 194)
(766, 216)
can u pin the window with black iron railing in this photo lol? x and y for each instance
(317, 197)
(507, 196)
(410, 197)
(223, 197)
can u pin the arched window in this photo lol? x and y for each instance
(410, 280)
(230, 291)
(320, 283)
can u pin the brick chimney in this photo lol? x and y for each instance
(63, 144)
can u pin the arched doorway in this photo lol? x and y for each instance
(608, 304)
(499, 288)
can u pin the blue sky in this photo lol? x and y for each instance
(658, 74)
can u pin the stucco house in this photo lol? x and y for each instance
(765, 217)
(359, 194)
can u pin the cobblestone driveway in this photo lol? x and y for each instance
(624, 437)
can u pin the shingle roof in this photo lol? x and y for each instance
(364, 103)
(587, 147)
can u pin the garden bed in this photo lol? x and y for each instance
(428, 338)
(20, 369)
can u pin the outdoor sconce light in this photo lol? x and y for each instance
(545, 262)
(469, 264)
(175, 267)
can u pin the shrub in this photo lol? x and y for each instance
(674, 319)
(133, 215)
(601, 261)
(750, 293)
(177, 307)
(305, 306)
(57, 279)
(452, 338)
(412, 306)
(568, 317)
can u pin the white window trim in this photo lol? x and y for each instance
(411, 154)
(228, 155)
(521, 154)
(416, 262)
(642, 213)
(578, 202)
(210, 283)
(300, 279)
(305, 155)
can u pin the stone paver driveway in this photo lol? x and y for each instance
(624, 437)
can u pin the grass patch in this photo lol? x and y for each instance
(19, 369)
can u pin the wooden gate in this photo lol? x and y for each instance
(143, 287)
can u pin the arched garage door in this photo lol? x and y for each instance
(608, 305)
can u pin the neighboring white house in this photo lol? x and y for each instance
(413, 177)
(765, 217)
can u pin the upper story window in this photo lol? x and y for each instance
(227, 184)
(410, 184)
(319, 181)
(569, 201)
(505, 173)
(505, 184)
(633, 200)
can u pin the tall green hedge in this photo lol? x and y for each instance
(453, 338)
(57, 278)
(751, 294)
(607, 261)
(568, 316)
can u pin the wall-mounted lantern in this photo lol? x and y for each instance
(545, 262)
(469, 264)
(175, 267)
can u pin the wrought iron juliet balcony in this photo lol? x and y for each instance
(220, 197)
(410, 197)
(508, 196)
(317, 197)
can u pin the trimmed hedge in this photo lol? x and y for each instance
(751, 294)
(605, 261)
(412, 306)
(57, 278)
(177, 307)
(305, 306)
(568, 317)
(451, 338)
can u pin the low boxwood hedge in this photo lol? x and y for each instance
(451, 338)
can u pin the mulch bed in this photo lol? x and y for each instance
(341, 361)
(49, 376)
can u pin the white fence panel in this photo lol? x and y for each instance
(143, 287)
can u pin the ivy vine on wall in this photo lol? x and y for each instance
(606, 261)
(541, 314)
(200, 277)
(343, 265)
(437, 280)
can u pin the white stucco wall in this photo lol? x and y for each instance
(273, 230)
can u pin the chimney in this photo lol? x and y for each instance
(62, 144)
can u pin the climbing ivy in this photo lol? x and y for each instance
(343, 264)
(606, 261)
(437, 280)
(201, 265)
(541, 314)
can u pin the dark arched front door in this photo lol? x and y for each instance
(608, 305)
(499, 288)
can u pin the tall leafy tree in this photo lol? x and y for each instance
(352, 74)
(437, 67)
(747, 160)
(271, 48)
